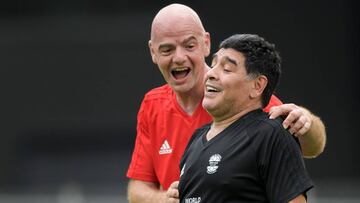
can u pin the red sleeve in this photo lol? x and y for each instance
(274, 101)
(141, 166)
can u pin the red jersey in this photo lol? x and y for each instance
(163, 131)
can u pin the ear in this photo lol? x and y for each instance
(152, 51)
(207, 43)
(259, 85)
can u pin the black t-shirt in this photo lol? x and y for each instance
(253, 160)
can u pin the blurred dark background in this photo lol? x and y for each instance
(73, 74)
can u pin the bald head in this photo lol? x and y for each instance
(176, 16)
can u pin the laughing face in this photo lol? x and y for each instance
(179, 49)
(228, 87)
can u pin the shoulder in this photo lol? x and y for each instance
(158, 97)
(198, 133)
(264, 123)
(268, 130)
(162, 92)
(157, 101)
(194, 140)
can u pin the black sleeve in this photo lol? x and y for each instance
(281, 165)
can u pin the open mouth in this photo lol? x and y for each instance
(180, 73)
(211, 89)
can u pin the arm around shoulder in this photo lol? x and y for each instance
(306, 126)
(145, 192)
(314, 140)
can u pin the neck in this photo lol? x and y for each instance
(189, 101)
(220, 123)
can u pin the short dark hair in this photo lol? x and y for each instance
(261, 58)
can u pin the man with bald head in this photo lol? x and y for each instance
(170, 114)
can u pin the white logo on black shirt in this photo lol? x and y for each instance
(213, 162)
(182, 170)
(165, 148)
(193, 200)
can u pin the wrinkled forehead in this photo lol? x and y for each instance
(229, 55)
(178, 33)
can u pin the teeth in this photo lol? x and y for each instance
(180, 69)
(211, 89)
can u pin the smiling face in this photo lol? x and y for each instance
(229, 90)
(179, 46)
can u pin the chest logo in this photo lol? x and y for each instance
(165, 148)
(213, 163)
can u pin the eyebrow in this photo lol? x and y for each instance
(231, 60)
(189, 39)
(166, 45)
(228, 59)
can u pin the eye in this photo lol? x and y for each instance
(227, 69)
(190, 46)
(165, 51)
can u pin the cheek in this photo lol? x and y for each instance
(237, 90)
(163, 69)
(163, 62)
(197, 55)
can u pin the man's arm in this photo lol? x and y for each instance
(306, 126)
(298, 199)
(145, 192)
(313, 141)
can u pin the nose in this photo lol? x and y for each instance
(179, 56)
(211, 74)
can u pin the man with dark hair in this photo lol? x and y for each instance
(242, 156)
(259, 55)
